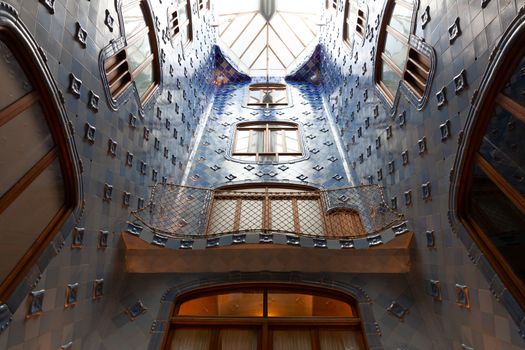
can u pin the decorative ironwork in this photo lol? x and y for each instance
(191, 212)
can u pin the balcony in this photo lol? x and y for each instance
(188, 229)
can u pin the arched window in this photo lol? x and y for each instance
(267, 142)
(252, 317)
(491, 201)
(137, 61)
(402, 57)
(37, 182)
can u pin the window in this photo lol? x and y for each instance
(267, 94)
(331, 5)
(138, 61)
(297, 210)
(355, 21)
(180, 22)
(267, 142)
(491, 198)
(259, 317)
(37, 185)
(397, 60)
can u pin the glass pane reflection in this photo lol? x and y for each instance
(233, 304)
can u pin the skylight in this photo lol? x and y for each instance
(268, 37)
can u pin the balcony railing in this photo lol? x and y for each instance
(189, 212)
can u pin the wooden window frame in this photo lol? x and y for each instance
(267, 144)
(415, 61)
(265, 324)
(131, 38)
(270, 87)
(348, 22)
(472, 158)
(175, 28)
(39, 95)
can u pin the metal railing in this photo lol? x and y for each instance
(190, 212)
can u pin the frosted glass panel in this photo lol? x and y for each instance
(241, 144)
(251, 215)
(401, 19)
(25, 139)
(231, 304)
(390, 79)
(340, 340)
(191, 339)
(310, 217)
(291, 340)
(396, 50)
(12, 76)
(282, 215)
(138, 52)
(133, 20)
(292, 141)
(239, 339)
(25, 219)
(144, 80)
(223, 216)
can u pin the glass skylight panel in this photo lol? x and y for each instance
(261, 47)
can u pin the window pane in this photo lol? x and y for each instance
(401, 19)
(516, 85)
(305, 305)
(239, 339)
(138, 52)
(390, 78)
(310, 220)
(251, 215)
(257, 144)
(25, 219)
(25, 140)
(292, 141)
(223, 216)
(276, 141)
(282, 215)
(249, 304)
(500, 220)
(12, 76)
(396, 51)
(144, 80)
(502, 147)
(191, 339)
(241, 144)
(292, 340)
(133, 20)
(340, 340)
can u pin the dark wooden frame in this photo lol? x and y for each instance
(41, 95)
(265, 324)
(514, 284)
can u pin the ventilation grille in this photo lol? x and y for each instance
(417, 72)
(117, 72)
(334, 4)
(174, 24)
(361, 23)
(201, 4)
